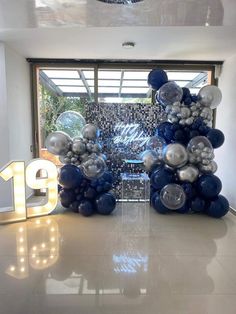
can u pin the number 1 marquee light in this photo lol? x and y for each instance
(21, 176)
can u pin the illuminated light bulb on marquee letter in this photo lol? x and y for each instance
(48, 182)
(16, 171)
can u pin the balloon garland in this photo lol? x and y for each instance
(180, 157)
(84, 181)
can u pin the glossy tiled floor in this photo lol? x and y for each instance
(133, 262)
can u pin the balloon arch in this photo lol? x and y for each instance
(179, 157)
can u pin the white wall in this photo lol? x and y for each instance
(226, 122)
(15, 113)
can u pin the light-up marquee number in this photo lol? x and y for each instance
(16, 171)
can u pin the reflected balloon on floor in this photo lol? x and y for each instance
(70, 122)
(210, 96)
(93, 167)
(175, 155)
(169, 93)
(173, 196)
(58, 143)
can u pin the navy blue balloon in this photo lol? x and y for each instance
(67, 197)
(108, 177)
(189, 190)
(70, 177)
(153, 197)
(162, 127)
(158, 206)
(74, 206)
(193, 134)
(105, 203)
(184, 209)
(197, 205)
(216, 137)
(197, 123)
(208, 186)
(86, 208)
(218, 207)
(157, 78)
(179, 136)
(194, 98)
(203, 129)
(161, 177)
(90, 193)
(188, 101)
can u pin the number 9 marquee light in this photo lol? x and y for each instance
(20, 177)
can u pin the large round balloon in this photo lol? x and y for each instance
(157, 78)
(70, 122)
(93, 167)
(70, 176)
(173, 196)
(161, 177)
(158, 205)
(216, 137)
(105, 203)
(86, 208)
(58, 143)
(175, 155)
(150, 159)
(197, 205)
(169, 93)
(199, 143)
(209, 186)
(67, 197)
(218, 207)
(210, 96)
(90, 131)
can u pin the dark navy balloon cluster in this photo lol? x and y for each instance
(182, 177)
(85, 196)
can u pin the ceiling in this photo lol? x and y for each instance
(88, 29)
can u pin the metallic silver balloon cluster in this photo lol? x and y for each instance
(185, 115)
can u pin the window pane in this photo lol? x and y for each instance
(181, 75)
(109, 74)
(132, 90)
(73, 89)
(68, 82)
(134, 83)
(62, 74)
(136, 75)
(109, 83)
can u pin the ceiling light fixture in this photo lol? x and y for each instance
(128, 44)
(120, 1)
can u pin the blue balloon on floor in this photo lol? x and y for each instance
(197, 205)
(157, 204)
(218, 207)
(208, 186)
(157, 78)
(86, 208)
(67, 197)
(70, 176)
(105, 203)
(161, 177)
(216, 137)
(184, 209)
(90, 193)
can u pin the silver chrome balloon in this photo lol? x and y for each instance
(210, 168)
(58, 143)
(93, 167)
(78, 147)
(150, 159)
(173, 196)
(188, 173)
(90, 131)
(175, 155)
(210, 96)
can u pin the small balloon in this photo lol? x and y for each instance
(58, 143)
(188, 173)
(175, 155)
(70, 122)
(208, 186)
(78, 146)
(156, 143)
(93, 167)
(218, 207)
(169, 93)
(216, 137)
(105, 203)
(210, 96)
(90, 131)
(173, 196)
(86, 208)
(157, 78)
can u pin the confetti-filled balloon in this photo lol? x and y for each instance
(70, 122)
(94, 167)
(210, 96)
(173, 196)
(169, 93)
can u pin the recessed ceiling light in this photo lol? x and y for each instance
(128, 44)
(120, 1)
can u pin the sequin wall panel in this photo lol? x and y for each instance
(125, 129)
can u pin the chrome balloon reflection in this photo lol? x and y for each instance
(70, 122)
(173, 196)
(175, 155)
(210, 96)
(58, 143)
(90, 131)
(150, 159)
(169, 93)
